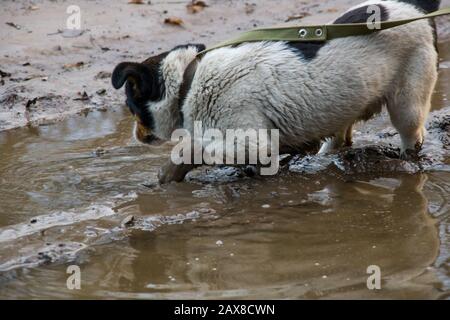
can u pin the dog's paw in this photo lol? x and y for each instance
(409, 155)
(173, 173)
(166, 174)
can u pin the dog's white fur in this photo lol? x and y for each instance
(266, 85)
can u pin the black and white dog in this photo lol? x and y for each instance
(308, 91)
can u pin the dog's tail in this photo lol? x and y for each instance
(427, 6)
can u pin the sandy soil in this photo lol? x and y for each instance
(47, 75)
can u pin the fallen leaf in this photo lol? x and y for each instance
(82, 96)
(250, 8)
(103, 75)
(174, 21)
(74, 65)
(196, 6)
(136, 2)
(332, 10)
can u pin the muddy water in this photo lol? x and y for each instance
(67, 189)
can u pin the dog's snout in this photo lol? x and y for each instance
(144, 134)
(152, 139)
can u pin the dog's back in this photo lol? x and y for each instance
(314, 96)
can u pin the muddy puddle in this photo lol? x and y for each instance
(82, 192)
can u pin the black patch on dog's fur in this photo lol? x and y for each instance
(309, 50)
(360, 15)
(427, 6)
(200, 47)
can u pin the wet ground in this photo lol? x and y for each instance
(48, 73)
(82, 192)
(68, 191)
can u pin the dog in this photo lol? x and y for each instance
(311, 92)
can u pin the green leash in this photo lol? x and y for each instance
(319, 33)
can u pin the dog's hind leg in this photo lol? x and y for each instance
(409, 122)
(409, 106)
(340, 140)
(349, 136)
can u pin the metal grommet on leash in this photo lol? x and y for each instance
(303, 33)
(319, 32)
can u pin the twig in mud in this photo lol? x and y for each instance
(28, 108)
(82, 47)
(12, 24)
(27, 78)
(298, 16)
(68, 33)
(55, 33)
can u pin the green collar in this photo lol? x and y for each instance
(319, 33)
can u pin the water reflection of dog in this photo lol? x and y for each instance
(305, 248)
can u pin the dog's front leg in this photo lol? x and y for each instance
(174, 172)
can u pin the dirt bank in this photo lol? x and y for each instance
(47, 74)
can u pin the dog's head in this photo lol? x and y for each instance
(152, 90)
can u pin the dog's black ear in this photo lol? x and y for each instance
(140, 77)
(142, 85)
(200, 47)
